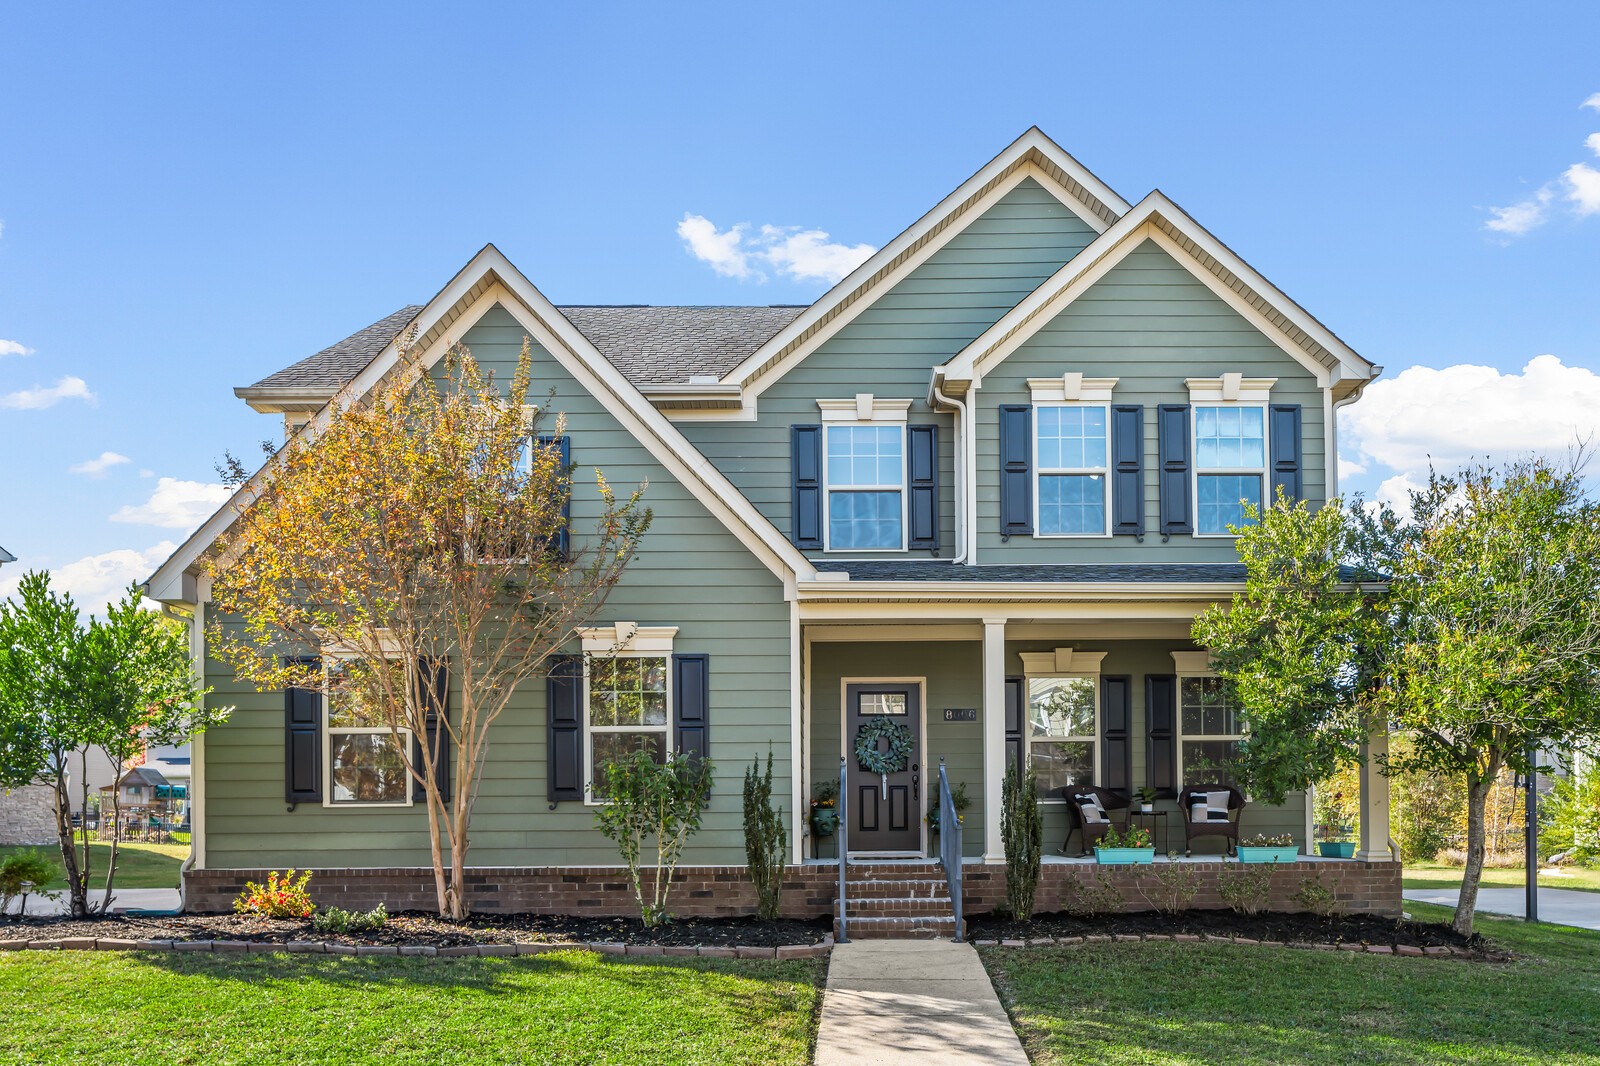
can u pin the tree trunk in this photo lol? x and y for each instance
(435, 846)
(1467, 902)
(116, 823)
(458, 862)
(77, 878)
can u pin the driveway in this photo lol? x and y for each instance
(123, 899)
(1563, 906)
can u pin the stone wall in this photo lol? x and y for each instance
(27, 815)
(808, 891)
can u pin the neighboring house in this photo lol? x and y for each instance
(982, 486)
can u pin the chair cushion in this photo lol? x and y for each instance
(1209, 807)
(1089, 806)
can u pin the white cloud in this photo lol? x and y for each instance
(96, 468)
(1521, 217)
(96, 580)
(39, 397)
(13, 348)
(797, 253)
(1461, 413)
(1593, 101)
(145, 472)
(1349, 468)
(176, 505)
(1578, 185)
(1583, 188)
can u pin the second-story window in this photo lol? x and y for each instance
(1230, 453)
(865, 470)
(1070, 456)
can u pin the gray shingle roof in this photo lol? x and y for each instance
(650, 345)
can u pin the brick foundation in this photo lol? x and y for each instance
(808, 891)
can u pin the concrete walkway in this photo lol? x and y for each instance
(124, 899)
(1563, 906)
(912, 1002)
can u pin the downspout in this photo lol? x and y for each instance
(958, 457)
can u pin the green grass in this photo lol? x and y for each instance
(1199, 1003)
(1437, 875)
(564, 1007)
(138, 865)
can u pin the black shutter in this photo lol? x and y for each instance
(1172, 437)
(922, 442)
(1127, 469)
(564, 715)
(1286, 444)
(1016, 723)
(433, 696)
(1161, 733)
(1016, 474)
(690, 699)
(805, 467)
(1116, 736)
(561, 542)
(302, 742)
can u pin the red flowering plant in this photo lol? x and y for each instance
(280, 897)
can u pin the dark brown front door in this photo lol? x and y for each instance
(885, 812)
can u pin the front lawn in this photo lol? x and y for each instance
(1202, 1003)
(139, 865)
(564, 1007)
(1438, 875)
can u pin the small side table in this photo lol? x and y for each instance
(1158, 819)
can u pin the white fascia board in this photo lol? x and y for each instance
(1031, 591)
(277, 401)
(749, 374)
(1079, 275)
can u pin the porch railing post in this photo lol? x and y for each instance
(844, 847)
(950, 845)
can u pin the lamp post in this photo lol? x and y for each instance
(1531, 844)
(22, 908)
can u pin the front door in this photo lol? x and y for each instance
(885, 809)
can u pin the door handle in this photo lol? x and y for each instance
(916, 792)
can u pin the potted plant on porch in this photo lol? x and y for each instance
(1125, 848)
(958, 796)
(1146, 798)
(1263, 848)
(824, 808)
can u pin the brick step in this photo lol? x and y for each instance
(877, 889)
(921, 928)
(898, 908)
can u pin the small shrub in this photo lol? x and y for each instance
(1573, 814)
(339, 920)
(284, 897)
(1246, 888)
(766, 838)
(1022, 833)
(1261, 840)
(33, 866)
(1176, 884)
(1085, 897)
(1492, 860)
(1317, 898)
(1134, 836)
(646, 799)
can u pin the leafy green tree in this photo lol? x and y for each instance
(647, 800)
(1471, 626)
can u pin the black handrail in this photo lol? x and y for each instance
(844, 851)
(949, 846)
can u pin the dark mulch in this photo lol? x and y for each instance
(1300, 928)
(420, 928)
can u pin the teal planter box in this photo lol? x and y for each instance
(1124, 856)
(1289, 854)
(1336, 849)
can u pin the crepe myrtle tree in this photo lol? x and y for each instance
(418, 530)
(1471, 625)
(116, 684)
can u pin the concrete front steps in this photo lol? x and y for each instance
(899, 901)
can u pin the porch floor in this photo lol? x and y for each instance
(1053, 860)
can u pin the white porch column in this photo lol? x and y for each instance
(1374, 846)
(994, 734)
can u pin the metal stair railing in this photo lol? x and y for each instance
(844, 850)
(949, 848)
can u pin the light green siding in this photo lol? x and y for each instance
(953, 672)
(891, 348)
(691, 573)
(1150, 324)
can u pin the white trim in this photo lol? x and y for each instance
(994, 734)
(1196, 472)
(590, 729)
(1103, 471)
(627, 638)
(1179, 736)
(197, 751)
(1192, 664)
(922, 746)
(864, 408)
(799, 734)
(851, 295)
(1063, 663)
(1230, 388)
(848, 634)
(1071, 387)
(401, 736)
(828, 489)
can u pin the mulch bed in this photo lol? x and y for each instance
(431, 930)
(1272, 927)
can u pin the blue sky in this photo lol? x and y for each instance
(193, 195)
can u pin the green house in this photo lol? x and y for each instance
(979, 488)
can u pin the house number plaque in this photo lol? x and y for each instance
(961, 714)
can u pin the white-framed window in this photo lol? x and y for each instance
(1071, 449)
(1063, 723)
(864, 483)
(627, 697)
(362, 757)
(1210, 723)
(1230, 465)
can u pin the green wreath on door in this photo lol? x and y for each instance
(892, 760)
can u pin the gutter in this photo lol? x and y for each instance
(959, 461)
